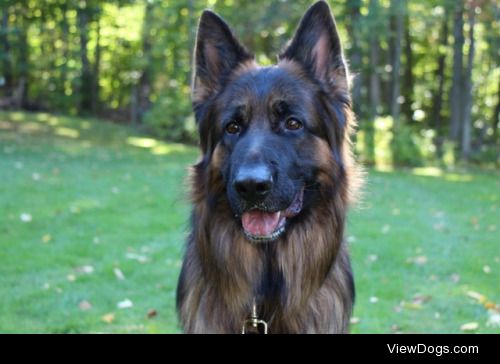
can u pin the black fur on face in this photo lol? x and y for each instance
(264, 122)
(264, 103)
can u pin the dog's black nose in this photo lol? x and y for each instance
(253, 183)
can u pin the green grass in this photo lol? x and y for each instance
(101, 196)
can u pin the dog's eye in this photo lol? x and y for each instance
(293, 124)
(233, 128)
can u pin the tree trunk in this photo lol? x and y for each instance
(397, 35)
(356, 57)
(142, 103)
(456, 97)
(192, 35)
(374, 62)
(23, 85)
(374, 82)
(5, 57)
(437, 105)
(97, 65)
(495, 123)
(467, 104)
(83, 19)
(408, 81)
(65, 46)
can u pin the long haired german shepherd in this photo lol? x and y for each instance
(272, 188)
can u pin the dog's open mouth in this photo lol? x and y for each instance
(263, 226)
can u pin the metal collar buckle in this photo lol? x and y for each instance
(254, 323)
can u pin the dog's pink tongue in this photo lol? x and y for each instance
(260, 223)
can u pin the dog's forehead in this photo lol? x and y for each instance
(266, 84)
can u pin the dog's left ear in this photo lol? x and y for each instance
(317, 47)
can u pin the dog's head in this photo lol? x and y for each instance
(270, 133)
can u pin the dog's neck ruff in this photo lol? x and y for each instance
(252, 324)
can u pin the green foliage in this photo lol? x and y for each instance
(380, 145)
(487, 156)
(102, 197)
(170, 118)
(405, 147)
(139, 56)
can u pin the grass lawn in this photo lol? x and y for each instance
(93, 216)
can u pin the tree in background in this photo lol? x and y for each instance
(130, 61)
(438, 94)
(467, 103)
(397, 23)
(456, 97)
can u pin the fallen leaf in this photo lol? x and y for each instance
(85, 269)
(46, 238)
(74, 209)
(493, 319)
(85, 305)
(470, 326)
(152, 313)
(418, 260)
(71, 277)
(137, 257)
(411, 305)
(354, 320)
(491, 306)
(396, 329)
(398, 308)
(421, 260)
(420, 299)
(455, 278)
(126, 303)
(25, 217)
(477, 296)
(119, 274)
(386, 228)
(108, 318)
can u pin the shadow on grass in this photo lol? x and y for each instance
(89, 131)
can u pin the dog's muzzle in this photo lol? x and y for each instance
(262, 226)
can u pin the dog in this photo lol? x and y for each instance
(270, 193)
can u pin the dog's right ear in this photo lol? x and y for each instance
(216, 55)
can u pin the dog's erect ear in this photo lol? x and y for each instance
(316, 45)
(216, 55)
